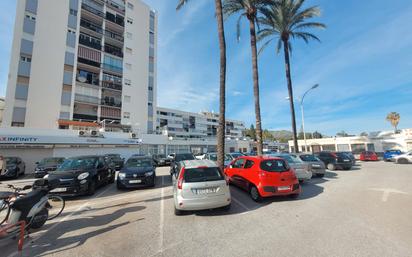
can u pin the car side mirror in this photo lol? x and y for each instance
(37, 163)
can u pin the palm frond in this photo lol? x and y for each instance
(263, 47)
(180, 4)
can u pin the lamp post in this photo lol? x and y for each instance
(303, 116)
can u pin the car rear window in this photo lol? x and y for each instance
(203, 174)
(309, 158)
(184, 157)
(274, 166)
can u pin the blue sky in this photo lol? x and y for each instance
(363, 65)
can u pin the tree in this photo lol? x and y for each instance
(342, 134)
(317, 135)
(286, 20)
(250, 9)
(267, 136)
(394, 118)
(364, 134)
(222, 85)
(251, 132)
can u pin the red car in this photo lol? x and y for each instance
(368, 156)
(263, 177)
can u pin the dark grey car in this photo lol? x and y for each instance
(315, 164)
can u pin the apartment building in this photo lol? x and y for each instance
(234, 128)
(78, 64)
(180, 124)
(2, 106)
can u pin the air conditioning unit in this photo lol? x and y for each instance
(82, 133)
(94, 133)
(132, 135)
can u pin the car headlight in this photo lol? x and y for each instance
(83, 176)
(122, 175)
(148, 174)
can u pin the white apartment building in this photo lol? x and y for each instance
(181, 124)
(78, 64)
(2, 106)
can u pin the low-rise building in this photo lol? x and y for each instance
(376, 141)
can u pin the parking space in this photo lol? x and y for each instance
(362, 212)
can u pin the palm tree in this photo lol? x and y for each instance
(250, 9)
(222, 94)
(285, 20)
(394, 118)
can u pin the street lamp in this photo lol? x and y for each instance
(303, 116)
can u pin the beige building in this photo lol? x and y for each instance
(78, 63)
(2, 106)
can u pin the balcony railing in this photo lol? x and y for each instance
(115, 19)
(111, 85)
(87, 42)
(115, 6)
(92, 10)
(112, 68)
(111, 101)
(88, 62)
(113, 51)
(86, 99)
(89, 25)
(114, 35)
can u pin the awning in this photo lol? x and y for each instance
(77, 123)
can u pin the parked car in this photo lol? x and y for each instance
(390, 154)
(116, 160)
(368, 156)
(82, 175)
(301, 169)
(335, 160)
(200, 156)
(403, 158)
(161, 160)
(213, 157)
(178, 158)
(46, 165)
(351, 156)
(235, 155)
(316, 166)
(200, 185)
(263, 177)
(12, 167)
(137, 172)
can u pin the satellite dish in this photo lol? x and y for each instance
(81, 79)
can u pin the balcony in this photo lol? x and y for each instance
(112, 68)
(115, 6)
(85, 40)
(91, 26)
(89, 62)
(111, 101)
(113, 35)
(108, 112)
(111, 85)
(92, 10)
(86, 99)
(87, 77)
(119, 20)
(113, 51)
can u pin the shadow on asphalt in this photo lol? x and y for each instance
(59, 243)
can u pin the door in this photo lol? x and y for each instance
(237, 172)
(248, 174)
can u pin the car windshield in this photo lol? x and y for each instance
(202, 174)
(10, 160)
(161, 156)
(309, 158)
(236, 155)
(184, 157)
(213, 157)
(78, 163)
(50, 161)
(113, 156)
(132, 163)
(274, 166)
(342, 155)
(290, 159)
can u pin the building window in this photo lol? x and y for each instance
(25, 58)
(150, 104)
(31, 17)
(127, 99)
(129, 50)
(130, 20)
(129, 35)
(126, 115)
(150, 88)
(17, 124)
(73, 12)
(130, 6)
(127, 82)
(151, 37)
(71, 31)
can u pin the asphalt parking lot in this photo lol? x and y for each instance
(363, 212)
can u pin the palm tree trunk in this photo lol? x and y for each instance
(290, 90)
(222, 97)
(256, 87)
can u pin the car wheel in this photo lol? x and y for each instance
(254, 194)
(92, 187)
(178, 212)
(402, 161)
(331, 166)
(294, 196)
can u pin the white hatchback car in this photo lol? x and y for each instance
(200, 185)
(403, 158)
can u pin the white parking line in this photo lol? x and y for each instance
(16, 253)
(240, 203)
(162, 217)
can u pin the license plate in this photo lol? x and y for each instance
(60, 189)
(316, 165)
(346, 160)
(134, 181)
(205, 191)
(284, 188)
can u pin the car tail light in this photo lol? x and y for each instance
(334, 155)
(180, 180)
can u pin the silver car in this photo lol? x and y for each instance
(200, 185)
(213, 157)
(301, 169)
(314, 163)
